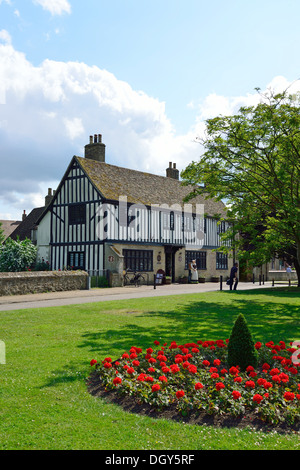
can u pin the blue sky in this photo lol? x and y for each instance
(144, 74)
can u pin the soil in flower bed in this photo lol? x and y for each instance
(130, 405)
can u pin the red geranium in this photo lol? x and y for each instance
(180, 393)
(236, 394)
(257, 398)
(198, 386)
(289, 396)
(155, 387)
(219, 386)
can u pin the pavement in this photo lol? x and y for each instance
(55, 299)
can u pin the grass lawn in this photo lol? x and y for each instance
(44, 403)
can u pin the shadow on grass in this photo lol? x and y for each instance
(204, 320)
(268, 314)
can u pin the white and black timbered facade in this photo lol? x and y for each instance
(105, 217)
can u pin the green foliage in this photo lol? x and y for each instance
(16, 255)
(251, 161)
(241, 350)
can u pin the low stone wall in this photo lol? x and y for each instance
(282, 276)
(35, 282)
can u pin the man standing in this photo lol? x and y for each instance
(233, 276)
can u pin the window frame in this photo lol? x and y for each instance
(138, 260)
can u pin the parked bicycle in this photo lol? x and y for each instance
(133, 278)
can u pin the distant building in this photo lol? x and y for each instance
(28, 227)
(8, 226)
(105, 217)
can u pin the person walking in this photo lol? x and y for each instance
(233, 277)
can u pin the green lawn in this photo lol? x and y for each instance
(44, 403)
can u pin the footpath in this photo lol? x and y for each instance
(55, 299)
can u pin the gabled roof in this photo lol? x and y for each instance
(8, 226)
(24, 228)
(142, 188)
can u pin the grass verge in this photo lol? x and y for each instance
(44, 403)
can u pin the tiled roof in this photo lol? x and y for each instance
(24, 229)
(8, 226)
(141, 187)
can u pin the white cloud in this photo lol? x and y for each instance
(55, 7)
(52, 109)
(5, 36)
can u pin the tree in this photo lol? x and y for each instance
(16, 255)
(241, 349)
(251, 161)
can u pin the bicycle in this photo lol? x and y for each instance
(136, 278)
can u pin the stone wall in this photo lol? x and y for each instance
(31, 282)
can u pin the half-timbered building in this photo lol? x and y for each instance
(105, 217)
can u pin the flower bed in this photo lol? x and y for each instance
(195, 378)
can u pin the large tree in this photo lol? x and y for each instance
(251, 161)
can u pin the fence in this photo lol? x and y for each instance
(99, 278)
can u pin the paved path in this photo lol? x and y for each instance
(54, 299)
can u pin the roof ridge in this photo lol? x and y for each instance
(129, 169)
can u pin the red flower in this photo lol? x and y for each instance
(250, 384)
(198, 386)
(117, 381)
(180, 393)
(206, 363)
(125, 356)
(214, 375)
(130, 370)
(289, 396)
(155, 387)
(219, 386)
(233, 371)
(236, 395)
(257, 398)
(238, 379)
(107, 365)
(217, 362)
(162, 378)
(192, 369)
(257, 345)
(156, 343)
(136, 363)
(93, 361)
(174, 368)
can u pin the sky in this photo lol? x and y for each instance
(145, 75)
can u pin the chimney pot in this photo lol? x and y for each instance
(172, 172)
(95, 150)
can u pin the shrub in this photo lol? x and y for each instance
(16, 255)
(241, 350)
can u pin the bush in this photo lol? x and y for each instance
(16, 255)
(241, 350)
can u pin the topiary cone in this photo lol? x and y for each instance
(241, 350)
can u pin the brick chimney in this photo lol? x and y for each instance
(172, 171)
(95, 150)
(49, 196)
(24, 215)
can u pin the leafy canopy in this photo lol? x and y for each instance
(251, 161)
